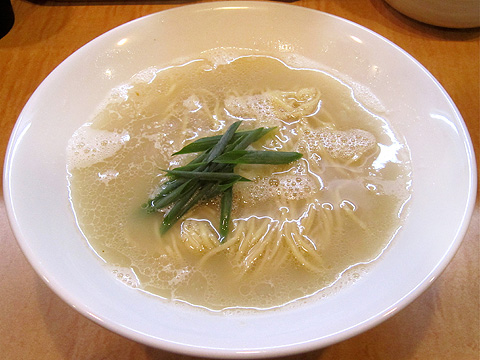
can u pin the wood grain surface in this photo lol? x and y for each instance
(443, 323)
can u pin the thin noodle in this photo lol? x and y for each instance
(257, 241)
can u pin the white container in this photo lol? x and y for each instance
(445, 13)
(443, 163)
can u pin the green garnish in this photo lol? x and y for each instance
(205, 175)
(257, 157)
(225, 211)
(211, 174)
(206, 143)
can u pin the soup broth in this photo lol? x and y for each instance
(295, 228)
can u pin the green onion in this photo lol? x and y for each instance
(227, 185)
(168, 187)
(225, 212)
(211, 173)
(204, 175)
(257, 157)
(182, 206)
(207, 143)
(170, 197)
(178, 210)
(223, 142)
(249, 139)
(191, 166)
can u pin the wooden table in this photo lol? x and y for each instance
(443, 323)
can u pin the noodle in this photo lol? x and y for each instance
(295, 228)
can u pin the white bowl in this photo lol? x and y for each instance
(446, 13)
(36, 193)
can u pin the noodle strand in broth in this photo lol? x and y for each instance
(296, 228)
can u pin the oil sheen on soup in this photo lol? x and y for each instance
(296, 229)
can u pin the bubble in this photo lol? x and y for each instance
(107, 176)
(344, 145)
(222, 55)
(126, 276)
(97, 145)
(273, 182)
(145, 76)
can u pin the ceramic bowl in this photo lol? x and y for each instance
(36, 194)
(446, 13)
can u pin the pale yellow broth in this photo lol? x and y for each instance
(296, 228)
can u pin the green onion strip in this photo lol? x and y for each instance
(211, 174)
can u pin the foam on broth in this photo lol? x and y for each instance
(297, 228)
